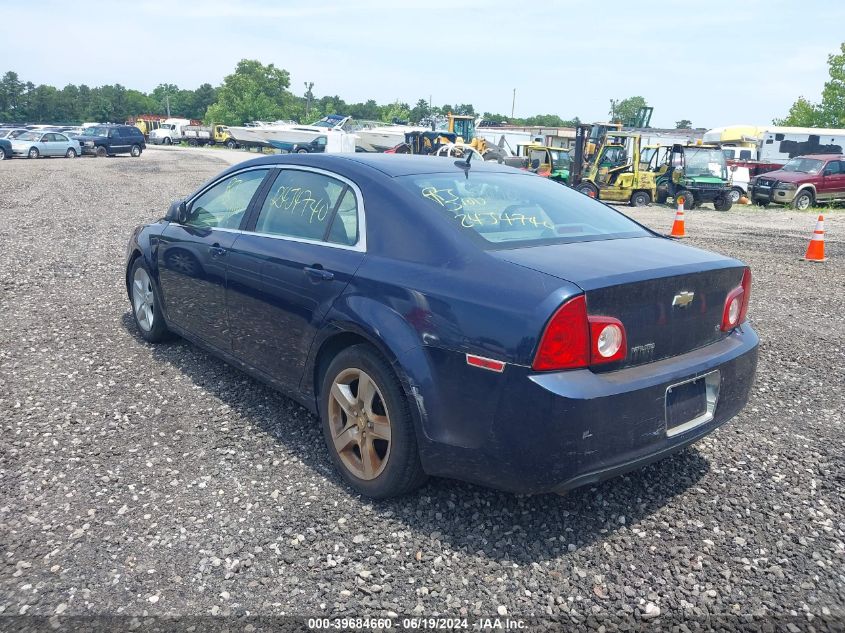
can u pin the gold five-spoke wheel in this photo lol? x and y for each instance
(360, 423)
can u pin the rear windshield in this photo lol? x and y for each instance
(515, 210)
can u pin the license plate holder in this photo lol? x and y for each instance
(691, 403)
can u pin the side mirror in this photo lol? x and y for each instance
(178, 212)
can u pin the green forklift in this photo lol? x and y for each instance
(694, 174)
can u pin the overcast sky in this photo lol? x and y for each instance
(715, 62)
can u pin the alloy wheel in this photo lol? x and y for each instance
(143, 299)
(359, 423)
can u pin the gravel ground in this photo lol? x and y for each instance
(138, 479)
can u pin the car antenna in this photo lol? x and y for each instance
(464, 164)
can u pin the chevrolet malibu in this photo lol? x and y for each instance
(455, 319)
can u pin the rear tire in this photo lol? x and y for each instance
(302, 150)
(393, 466)
(803, 201)
(70, 153)
(135, 152)
(33, 152)
(640, 199)
(588, 189)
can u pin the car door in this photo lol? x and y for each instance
(47, 146)
(117, 143)
(302, 246)
(62, 143)
(192, 256)
(833, 181)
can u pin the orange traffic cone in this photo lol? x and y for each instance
(815, 249)
(678, 225)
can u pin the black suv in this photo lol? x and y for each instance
(108, 140)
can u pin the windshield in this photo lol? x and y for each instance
(509, 210)
(561, 158)
(95, 131)
(29, 136)
(805, 165)
(705, 162)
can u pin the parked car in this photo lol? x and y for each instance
(802, 182)
(108, 140)
(464, 320)
(36, 143)
(12, 132)
(5, 149)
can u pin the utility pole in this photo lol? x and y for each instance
(513, 103)
(308, 96)
(167, 104)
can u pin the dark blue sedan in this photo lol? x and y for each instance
(442, 318)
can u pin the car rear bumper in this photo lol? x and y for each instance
(558, 431)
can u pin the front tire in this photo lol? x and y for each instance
(803, 201)
(146, 305)
(33, 152)
(723, 202)
(101, 152)
(686, 196)
(135, 152)
(167, 141)
(367, 425)
(640, 199)
(588, 189)
(70, 153)
(3, 154)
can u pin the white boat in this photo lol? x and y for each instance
(289, 133)
(379, 137)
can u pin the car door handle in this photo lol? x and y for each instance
(217, 251)
(318, 273)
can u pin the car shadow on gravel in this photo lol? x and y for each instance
(501, 526)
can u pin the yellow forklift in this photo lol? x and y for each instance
(614, 173)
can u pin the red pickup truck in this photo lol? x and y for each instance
(802, 182)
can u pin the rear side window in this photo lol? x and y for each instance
(224, 204)
(312, 206)
(518, 210)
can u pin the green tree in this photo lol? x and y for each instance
(831, 111)
(253, 92)
(11, 92)
(395, 111)
(683, 124)
(625, 110)
(419, 111)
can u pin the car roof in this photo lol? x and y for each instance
(391, 165)
(823, 156)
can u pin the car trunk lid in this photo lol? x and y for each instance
(669, 297)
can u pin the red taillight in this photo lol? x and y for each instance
(572, 339)
(565, 343)
(736, 304)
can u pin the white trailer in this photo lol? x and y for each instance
(779, 144)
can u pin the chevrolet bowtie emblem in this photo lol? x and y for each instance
(683, 299)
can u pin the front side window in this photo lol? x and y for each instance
(832, 168)
(511, 210)
(311, 206)
(224, 205)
